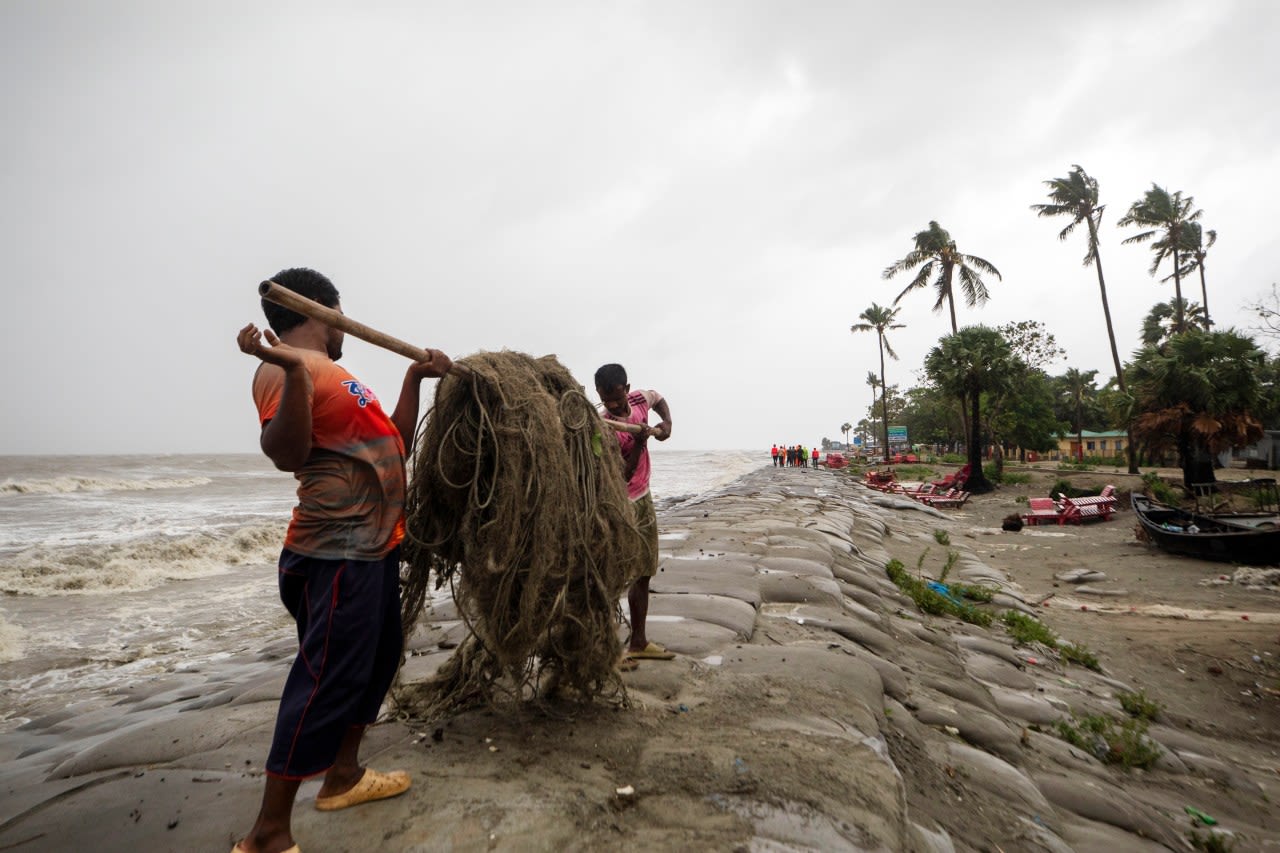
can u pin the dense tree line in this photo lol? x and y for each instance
(1190, 389)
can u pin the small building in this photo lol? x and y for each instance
(1264, 453)
(1089, 443)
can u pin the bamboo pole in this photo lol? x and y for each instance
(273, 292)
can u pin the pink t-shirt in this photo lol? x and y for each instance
(640, 402)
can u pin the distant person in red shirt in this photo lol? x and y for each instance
(775, 455)
(815, 457)
(339, 571)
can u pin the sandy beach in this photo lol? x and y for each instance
(811, 706)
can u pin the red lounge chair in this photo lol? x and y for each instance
(953, 498)
(1093, 509)
(955, 480)
(1043, 511)
(881, 481)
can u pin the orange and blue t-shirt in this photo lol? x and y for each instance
(351, 490)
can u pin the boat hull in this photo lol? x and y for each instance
(1207, 538)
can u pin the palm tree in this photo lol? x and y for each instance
(1076, 196)
(965, 365)
(1161, 322)
(1194, 244)
(844, 428)
(1077, 383)
(880, 320)
(935, 250)
(1163, 214)
(1201, 393)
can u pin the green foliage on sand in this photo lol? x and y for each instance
(1140, 705)
(1111, 742)
(931, 601)
(1026, 630)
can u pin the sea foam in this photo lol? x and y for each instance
(11, 641)
(62, 485)
(138, 564)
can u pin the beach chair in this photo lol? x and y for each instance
(1075, 512)
(955, 480)
(881, 481)
(1103, 504)
(953, 498)
(1042, 511)
(913, 490)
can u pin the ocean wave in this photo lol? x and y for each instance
(138, 564)
(61, 485)
(12, 646)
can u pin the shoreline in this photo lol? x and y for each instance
(811, 704)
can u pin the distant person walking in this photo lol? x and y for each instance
(815, 457)
(775, 455)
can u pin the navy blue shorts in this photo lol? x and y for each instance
(349, 645)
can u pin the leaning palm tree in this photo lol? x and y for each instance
(1076, 196)
(935, 251)
(1163, 214)
(1195, 245)
(880, 320)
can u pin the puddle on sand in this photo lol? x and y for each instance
(792, 826)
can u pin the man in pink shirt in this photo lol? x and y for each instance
(633, 407)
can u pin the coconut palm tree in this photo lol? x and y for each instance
(1196, 246)
(1076, 196)
(1163, 214)
(935, 251)
(880, 320)
(844, 428)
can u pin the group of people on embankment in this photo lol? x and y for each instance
(793, 456)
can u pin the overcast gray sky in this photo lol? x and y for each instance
(704, 192)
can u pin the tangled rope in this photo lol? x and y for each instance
(517, 502)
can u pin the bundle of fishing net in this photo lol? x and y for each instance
(517, 502)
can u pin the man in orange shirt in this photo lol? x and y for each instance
(340, 567)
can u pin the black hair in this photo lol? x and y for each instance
(611, 376)
(304, 282)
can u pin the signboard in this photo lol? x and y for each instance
(897, 435)
(857, 441)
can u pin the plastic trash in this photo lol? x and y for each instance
(1200, 816)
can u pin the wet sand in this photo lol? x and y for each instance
(812, 706)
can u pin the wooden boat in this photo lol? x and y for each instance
(1253, 542)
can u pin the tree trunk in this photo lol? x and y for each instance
(1111, 337)
(884, 401)
(1204, 292)
(978, 483)
(1197, 462)
(1177, 288)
